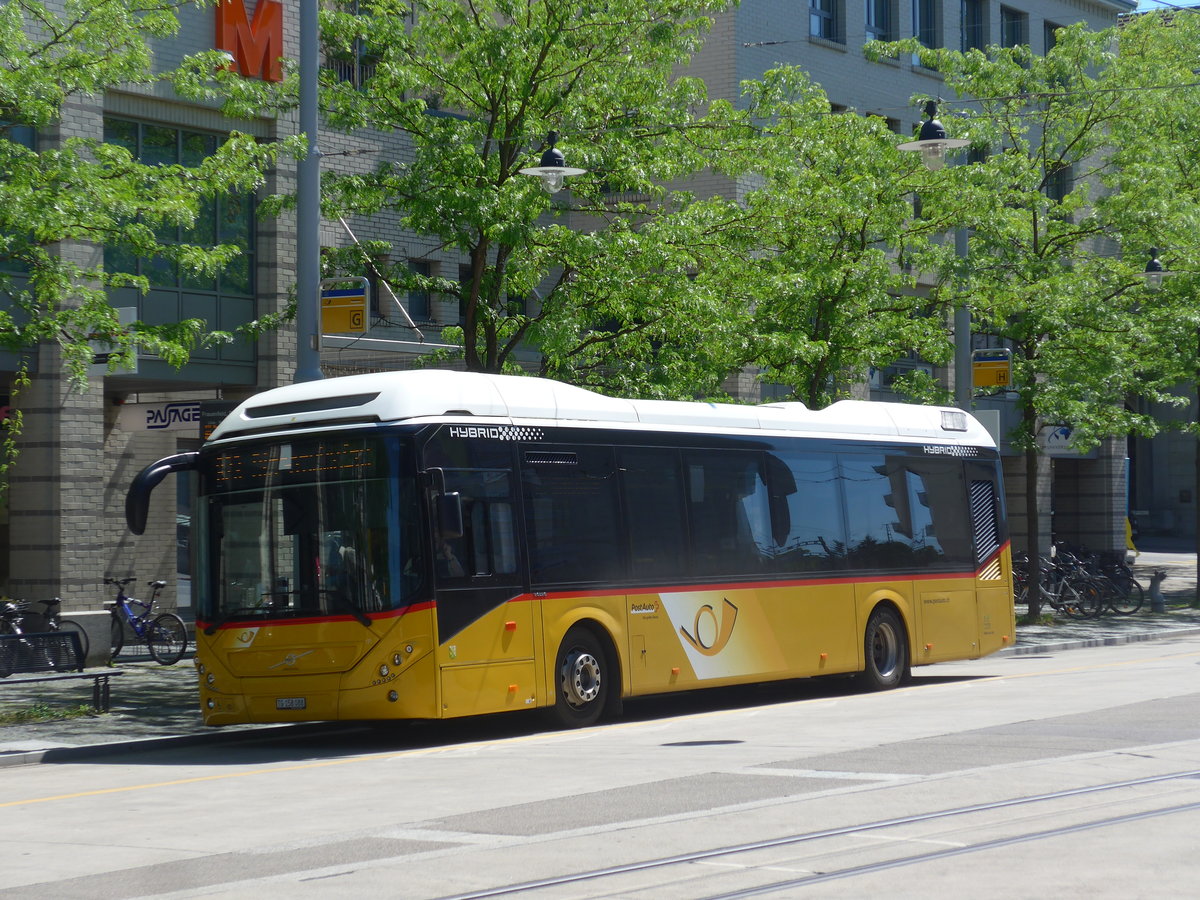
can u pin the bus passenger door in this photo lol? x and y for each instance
(485, 619)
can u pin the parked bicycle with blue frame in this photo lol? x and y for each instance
(165, 634)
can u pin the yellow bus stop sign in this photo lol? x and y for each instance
(992, 367)
(344, 308)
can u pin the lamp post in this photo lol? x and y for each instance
(932, 143)
(308, 208)
(552, 168)
(1153, 276)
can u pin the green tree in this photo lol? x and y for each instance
(1157, 163)
(1048, 218)
(607, 279)
(829, 245)
(87, 191)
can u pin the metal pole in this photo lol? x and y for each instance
(964, 378)
(308, 207)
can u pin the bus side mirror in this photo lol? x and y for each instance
(450, 515)
(137, 499)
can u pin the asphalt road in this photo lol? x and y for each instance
(1062, 774)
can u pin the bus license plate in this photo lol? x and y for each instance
(289, 703)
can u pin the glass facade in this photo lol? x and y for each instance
(225, 300)
(222, 220)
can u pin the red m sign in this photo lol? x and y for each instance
(255, 46)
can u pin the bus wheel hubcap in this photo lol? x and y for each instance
(887, 652)
(581, 678)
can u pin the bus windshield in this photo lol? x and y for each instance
(306, 528)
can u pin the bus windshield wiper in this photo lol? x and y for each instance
(357, 613)
(339, 598)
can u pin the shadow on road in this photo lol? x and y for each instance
(309, 742)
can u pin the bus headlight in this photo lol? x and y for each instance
(384, 671)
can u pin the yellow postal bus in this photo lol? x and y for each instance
(432, 544)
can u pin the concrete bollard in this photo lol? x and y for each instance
(1158, 603)
(97, 625)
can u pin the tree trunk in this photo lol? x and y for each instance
(1033, 528)
(1032, 518)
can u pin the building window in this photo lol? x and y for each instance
(418, 299)
(974, 24)
(927, 25)
(221, 220)
(825, 20)
(24, 136)
(1058, 182)
(18, 134)
(1049, 35)
(1014, 27)
(880, 18)
(355, 65)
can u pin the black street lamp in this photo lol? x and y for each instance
(553, 167)
(932, 142)
(1155, 273)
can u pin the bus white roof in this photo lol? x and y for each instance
(441, 394)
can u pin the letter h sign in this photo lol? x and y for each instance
(255, 46)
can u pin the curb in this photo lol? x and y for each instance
(1108, 641)
(85, 752)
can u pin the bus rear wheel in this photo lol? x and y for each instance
(886, 651)
(581, 679)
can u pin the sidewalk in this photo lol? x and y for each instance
(153, 703)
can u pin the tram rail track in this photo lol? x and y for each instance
(595, 875)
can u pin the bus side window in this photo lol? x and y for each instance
(729, 512)
(571, 514)
(812, 534)
(652, 491)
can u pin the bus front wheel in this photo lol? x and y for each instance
(886, 651)
(581, 679)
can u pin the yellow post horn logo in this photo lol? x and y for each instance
(723, 630)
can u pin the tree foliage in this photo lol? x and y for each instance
(829, 246)
(602, 278)
(82, 190)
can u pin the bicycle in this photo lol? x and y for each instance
(1122, 593)
(18, 618)
(1058, 589)
(165, 635)
(49, 618)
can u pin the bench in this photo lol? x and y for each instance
(57, 652)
